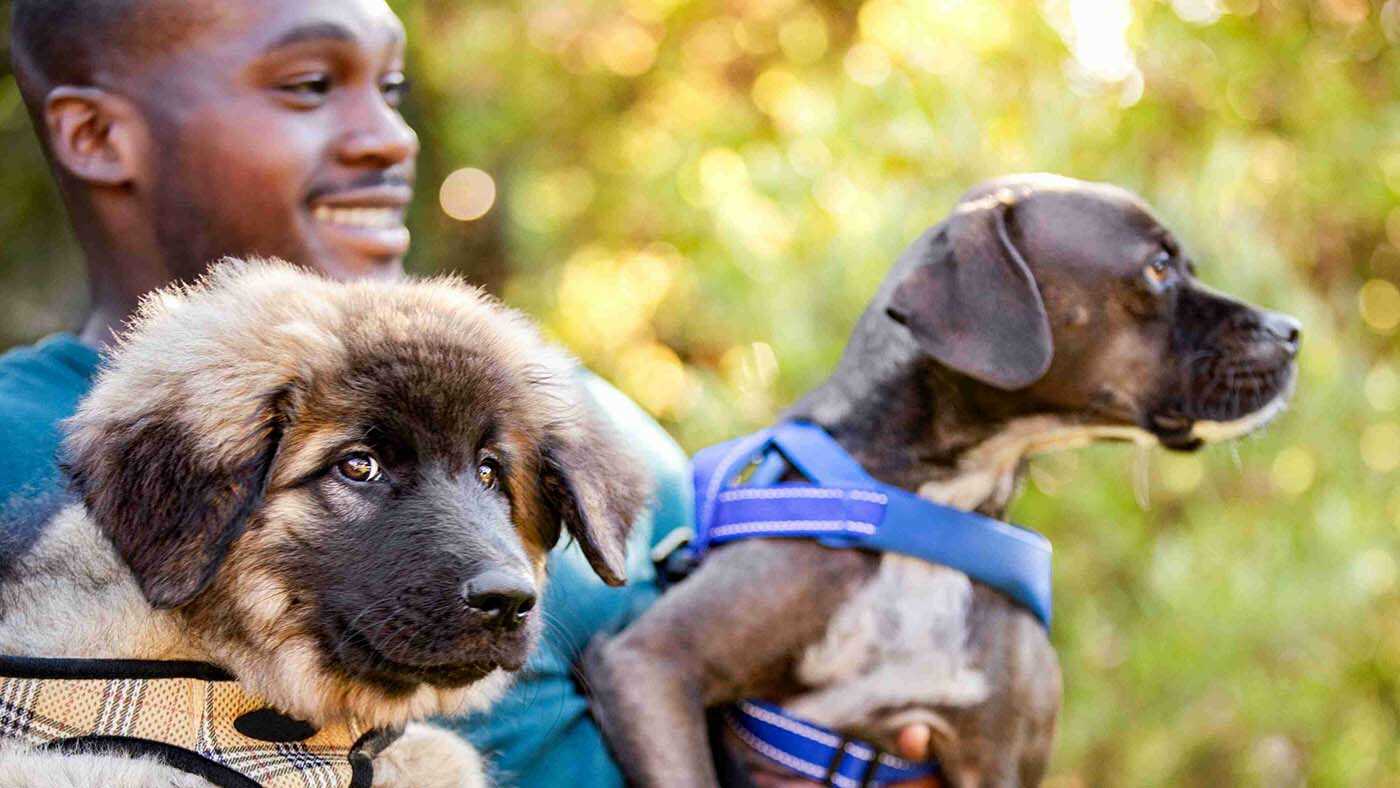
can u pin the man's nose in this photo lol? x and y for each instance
(380, 138)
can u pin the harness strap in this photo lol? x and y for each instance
(816, 752)
(740, 494)
(841, 506)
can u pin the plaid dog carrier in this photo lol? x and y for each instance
(192, 716)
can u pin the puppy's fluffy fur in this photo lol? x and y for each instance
(214, 525)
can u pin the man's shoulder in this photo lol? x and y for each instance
(658, 449)
(40, 386)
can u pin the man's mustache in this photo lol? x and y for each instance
(369, 181)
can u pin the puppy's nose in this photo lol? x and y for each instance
(504, 597)
(1284, 328)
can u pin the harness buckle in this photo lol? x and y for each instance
(834, 766)
(674, 558)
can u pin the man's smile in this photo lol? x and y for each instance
(368, 221)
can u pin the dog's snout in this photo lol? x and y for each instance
(1283, 328)
(504, 597)
(1270, 326)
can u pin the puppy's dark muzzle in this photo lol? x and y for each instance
(500, 599)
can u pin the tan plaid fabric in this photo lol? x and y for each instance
(192, 714)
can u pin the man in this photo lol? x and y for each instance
(183, 130)
(180, 131)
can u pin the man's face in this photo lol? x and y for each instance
(275, 131)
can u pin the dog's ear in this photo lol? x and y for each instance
(972, 302)
(596, 488)
(171, 507)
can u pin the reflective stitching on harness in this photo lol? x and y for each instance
(852, 747)
(779, 494)
(767, 526)
(791, 761)
(790, 725)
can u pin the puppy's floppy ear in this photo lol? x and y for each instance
(972, 302)
(171, 509)
(596, 488)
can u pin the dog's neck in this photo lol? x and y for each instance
(917, 427)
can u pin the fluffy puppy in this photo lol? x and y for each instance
(342, 494)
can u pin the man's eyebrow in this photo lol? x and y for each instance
(319, 31)
(312, 31)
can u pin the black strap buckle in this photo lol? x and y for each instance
(674, 558)
(834, 767)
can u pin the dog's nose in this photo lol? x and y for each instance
(504, 597)
(1283, 328)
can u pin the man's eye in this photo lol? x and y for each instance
(310, 87)
(395, 88)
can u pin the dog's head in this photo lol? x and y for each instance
(1074, 297)
(348, 490)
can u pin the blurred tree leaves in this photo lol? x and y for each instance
(699, 198)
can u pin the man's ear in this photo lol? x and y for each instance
(93, 134)
(971, 301)
(596, 488)
(171, 506)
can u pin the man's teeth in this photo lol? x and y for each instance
(359, 217)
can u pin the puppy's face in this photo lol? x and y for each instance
(1076, 300)
(348, 491)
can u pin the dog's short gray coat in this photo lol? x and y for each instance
(1044, 314)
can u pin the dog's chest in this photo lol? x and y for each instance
(900, 641)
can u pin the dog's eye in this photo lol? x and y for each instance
(1160, 269)
(489, 474)
(359, 468)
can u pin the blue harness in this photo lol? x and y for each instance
(738, 495)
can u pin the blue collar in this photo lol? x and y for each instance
(842, 506)
(739, 495)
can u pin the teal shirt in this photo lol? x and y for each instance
(40, 386)
(541, 734)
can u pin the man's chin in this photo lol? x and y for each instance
(349, 268)
(347, 253)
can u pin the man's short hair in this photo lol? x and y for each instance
(69, 42)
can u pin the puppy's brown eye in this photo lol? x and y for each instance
(1160, 269)
(359, 468)
(489, 474)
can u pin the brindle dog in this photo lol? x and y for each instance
(1045, 313)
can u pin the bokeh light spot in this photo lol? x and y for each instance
(867, 64)
(722, 171)
(1294, 470)
(1380, 305)
(627, 49)
(1181, 473)
(654, 375)
(803, 38)
(1375, 571)
(1380, 446)
(772, 87)
(809, 156)
(467, 194)
(1383, 387)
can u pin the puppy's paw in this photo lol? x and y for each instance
(429, 757)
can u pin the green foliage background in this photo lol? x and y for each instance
(698, 199)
